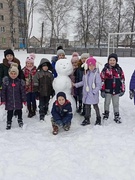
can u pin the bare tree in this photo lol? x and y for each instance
(85, 10)
(12, 20)
(56, 15)
(31, 6)
(130, 18)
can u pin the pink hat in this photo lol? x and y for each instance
(75, 57)
(31, 58)
(91, 61)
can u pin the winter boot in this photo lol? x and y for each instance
(20, 123)
(30, 111)
(8, 126)
(33, 111)
(105, 115)
(55, 129)
(117, 118)
(42, 117)
(67, 127)
(83, 112)
(85, 122)
(98, 121)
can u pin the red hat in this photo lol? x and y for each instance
(30, 58)
(91, 61)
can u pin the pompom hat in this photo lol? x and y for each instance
(14, 68)
(75, 57)
(91, 61)
(60, 51)
(31, 58)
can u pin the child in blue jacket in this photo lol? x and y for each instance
(61, 113)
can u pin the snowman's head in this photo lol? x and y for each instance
(64, 67)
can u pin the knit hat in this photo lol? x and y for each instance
(61, 94)
(85, 55)
(14, 68)
(8, 51)
(60, 51)
(113, 55)
(31, 58)
(75, 57)
(44, 64)
(91, 61)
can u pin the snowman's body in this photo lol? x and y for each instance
(62, 82)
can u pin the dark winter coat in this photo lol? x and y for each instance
(43, 80)
(78, 78)
(4, 67)
(29, 74)
(113, 80)
(13, 93)
(54, 60)
(63, 113)
(132, 84)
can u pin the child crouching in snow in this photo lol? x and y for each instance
(62, 113)
(13, 95)
(91, 83)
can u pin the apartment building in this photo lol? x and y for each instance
(13, 24)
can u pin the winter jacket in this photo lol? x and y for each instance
(132, 84)
(4, 67)
(13, 93)
(54, 60)
(93, 81)
(78, 78)
(29, 74)
(113, 80)
(63, 112)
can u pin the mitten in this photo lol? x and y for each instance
(103, 94)
(131, 94)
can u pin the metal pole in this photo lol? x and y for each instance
(108, 44)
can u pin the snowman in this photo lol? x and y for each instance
(62, 82)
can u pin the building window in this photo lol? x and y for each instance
(1, 5)
(3, 40)
(1, 18)
(2, 29)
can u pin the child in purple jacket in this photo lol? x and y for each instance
(132, 87)
(13, 95)
(91, 85)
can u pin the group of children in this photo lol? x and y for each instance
(27, 85)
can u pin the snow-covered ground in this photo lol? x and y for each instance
(104, 152)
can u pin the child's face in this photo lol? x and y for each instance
(13, 75)
(83, 60)
(9, 57)
(61, 56)
(29, 64)
(75, 64)
(92, 67)
(61, 100)
(112, 61)
(45, 68)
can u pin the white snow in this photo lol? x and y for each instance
(104, 152)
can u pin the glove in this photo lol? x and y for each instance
(131, 94)
(121, 93)
(2, 103)
(103, 94)
(25, 103)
